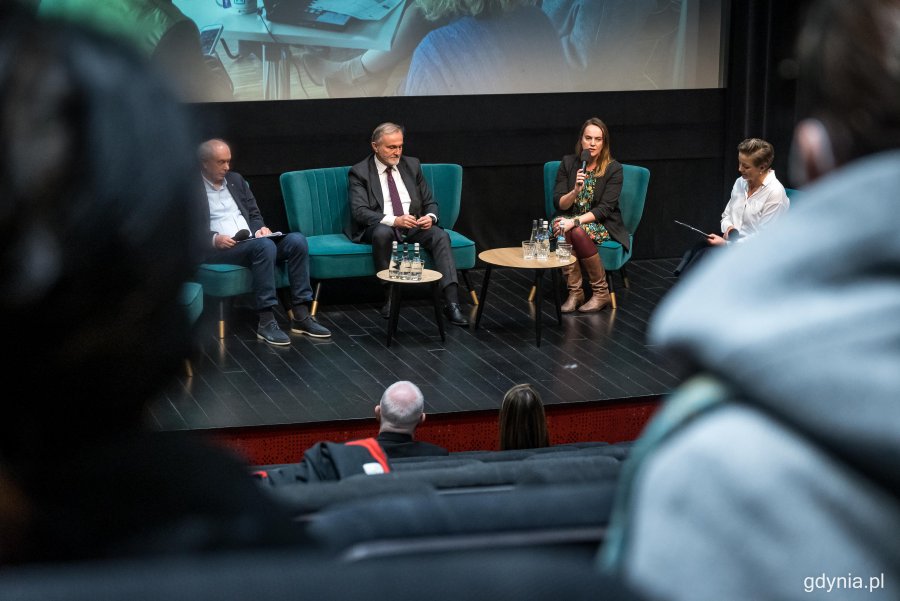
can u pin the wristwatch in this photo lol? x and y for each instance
(577, 222)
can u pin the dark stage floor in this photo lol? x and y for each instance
(241, 381)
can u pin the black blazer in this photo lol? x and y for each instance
(367, 201)
(246, 202)
(605, 205)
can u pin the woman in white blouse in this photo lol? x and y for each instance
(757, 199)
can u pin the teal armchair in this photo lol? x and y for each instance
(631, 203)
(224, 282)
(317, 204)
(190, 299)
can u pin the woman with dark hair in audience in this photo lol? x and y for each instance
(523, 424)
(757, 199)
(586, 199)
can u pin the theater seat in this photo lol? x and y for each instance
(575, 512)
(270, 575)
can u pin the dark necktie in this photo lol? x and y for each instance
(395, 194)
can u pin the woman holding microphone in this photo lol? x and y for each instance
(586, 199)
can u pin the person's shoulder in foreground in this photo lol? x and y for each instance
(103, 230)
(773, 477)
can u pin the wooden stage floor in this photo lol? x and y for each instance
(241, 381)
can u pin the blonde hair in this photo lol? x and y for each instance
(437, 9)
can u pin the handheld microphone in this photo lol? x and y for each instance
(585, 157)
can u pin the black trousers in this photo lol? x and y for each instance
(435, 240)
(260, 255)
(692, 257)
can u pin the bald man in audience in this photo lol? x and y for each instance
(400, 411)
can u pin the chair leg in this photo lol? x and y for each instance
(315, 302)
(612, 290)
(625, 280)
(188, 370)
(465, 275)
(221, 318)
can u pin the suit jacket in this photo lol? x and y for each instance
(367, 201)
(605, 204)
(397, 444)
(246, 202)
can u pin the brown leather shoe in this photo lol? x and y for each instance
(573, 283)
(597, 278)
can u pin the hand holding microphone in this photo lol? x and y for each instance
(579, 177)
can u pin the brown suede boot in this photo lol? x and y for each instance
(597, 277)
(573, 283)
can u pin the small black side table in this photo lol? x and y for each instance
(429, 276)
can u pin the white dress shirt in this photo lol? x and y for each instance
(225, 216)
(749, 214)
(405, 200)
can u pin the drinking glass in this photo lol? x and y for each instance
(528, 250)
(563, 251)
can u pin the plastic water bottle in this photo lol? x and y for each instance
(405, 263)
(544, 242)
(534, 231)
(418, 264)
(394, 269)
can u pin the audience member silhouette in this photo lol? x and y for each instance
(399, 413)
(772, 473)
(102, 228)
(523, 424)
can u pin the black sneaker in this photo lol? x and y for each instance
(271, 333)
(309, 327)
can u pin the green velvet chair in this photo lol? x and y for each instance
(317, 204)
(793, 195)
(224, 282)
(631, 203)
(191, 299)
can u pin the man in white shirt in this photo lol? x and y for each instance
(239, 236)
(390, 200)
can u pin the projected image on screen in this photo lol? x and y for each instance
(280, 49)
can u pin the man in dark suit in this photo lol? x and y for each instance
(390, 200)
(239, 236)
(401, 410)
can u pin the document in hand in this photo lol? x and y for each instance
(273, 235)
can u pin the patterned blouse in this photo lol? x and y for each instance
(595, 231)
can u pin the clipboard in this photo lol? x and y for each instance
(691, 227)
